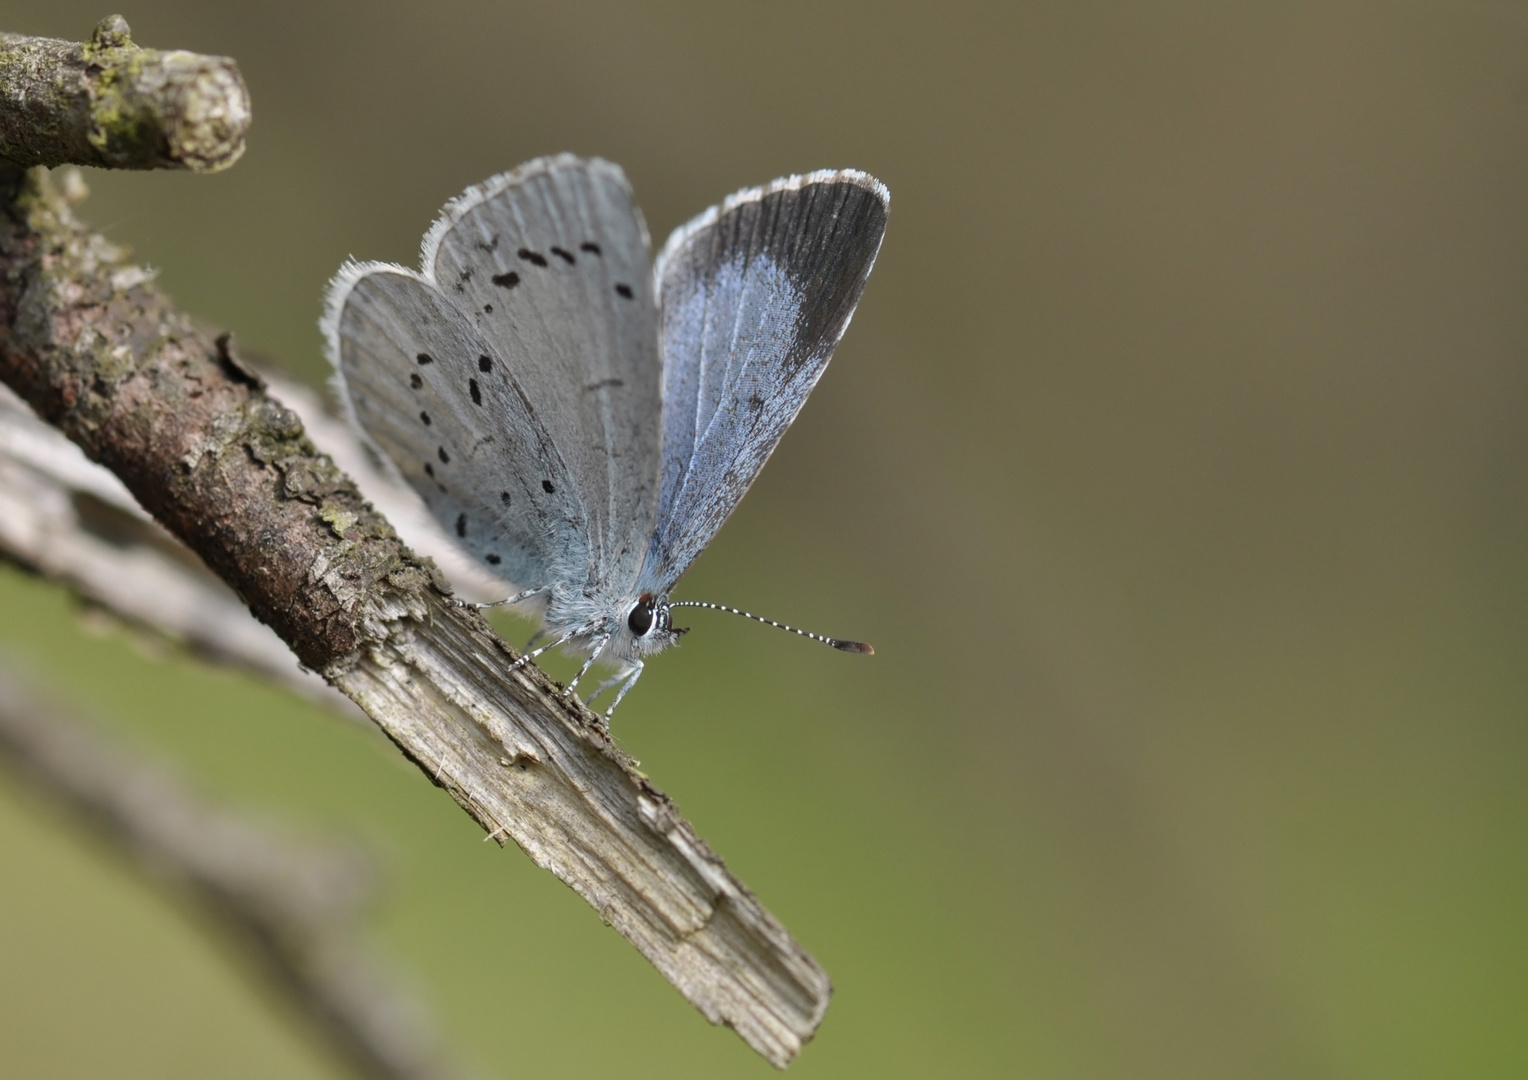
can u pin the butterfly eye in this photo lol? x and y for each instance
(640, 621)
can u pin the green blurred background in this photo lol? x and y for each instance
(1175, 465)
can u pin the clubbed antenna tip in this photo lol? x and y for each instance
(839, 644)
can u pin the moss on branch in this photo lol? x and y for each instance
(108, 103)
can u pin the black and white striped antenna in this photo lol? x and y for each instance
(837, 643)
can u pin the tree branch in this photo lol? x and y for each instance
(97, 351)
(67, 519)
(293, 906)
(109, 103)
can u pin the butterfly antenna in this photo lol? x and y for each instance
(837, 643)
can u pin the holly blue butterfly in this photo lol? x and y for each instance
(584, 424)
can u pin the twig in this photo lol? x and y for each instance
(107, 102)
(97, 351)
(293, 906)
(68, 519)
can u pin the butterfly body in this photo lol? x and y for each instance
(581, 423)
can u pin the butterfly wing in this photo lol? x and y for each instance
(536, 312)
(754, 294)
(407, 369)
(551, 262)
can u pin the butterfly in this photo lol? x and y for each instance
(581, 420)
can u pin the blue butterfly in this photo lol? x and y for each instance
(581, 423)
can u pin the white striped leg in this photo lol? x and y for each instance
(573, 633)
(631, 680)
(608, 683)
(589, 663)
(526, 595)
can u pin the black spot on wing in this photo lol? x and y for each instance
(461, 526)
(491, 246)
(424, 418)
(492, 559)
(445, 458)
(485, 365)
(535, 258)
(424, 358)
(504, 497)
(429, 470)
(591, 247)
(488, 309)
(565, 256)
(415, 382)
(546, 486)
(505, 281)
(477, 395)
(624, 290)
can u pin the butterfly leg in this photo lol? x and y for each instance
(607, 684)
(575, 632)
(631, 680)
(526, 595)
(589, 663)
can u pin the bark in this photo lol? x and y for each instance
(107, 102)
(66, 518)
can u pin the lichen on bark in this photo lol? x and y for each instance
(109, 103)
(101, 353)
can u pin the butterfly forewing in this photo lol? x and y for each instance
(754, 296)
(551, 264)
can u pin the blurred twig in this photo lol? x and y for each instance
(89, 343)
(67, 519)
(294, 907)
(107, 102)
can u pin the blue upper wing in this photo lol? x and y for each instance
(754, 294)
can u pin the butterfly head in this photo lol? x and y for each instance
(650, 624)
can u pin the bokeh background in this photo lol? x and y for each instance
(1174, 463)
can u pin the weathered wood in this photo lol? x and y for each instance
(97, 351)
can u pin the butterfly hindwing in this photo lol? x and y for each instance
(754, 295)
(431, 393)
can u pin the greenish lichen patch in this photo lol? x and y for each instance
(124, 125)
(111, 32)
(109, 103)
(338, 519)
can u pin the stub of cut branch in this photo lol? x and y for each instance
(108, 103)
(293, 906)
(97, 351)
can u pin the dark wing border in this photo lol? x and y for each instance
(824, 230)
